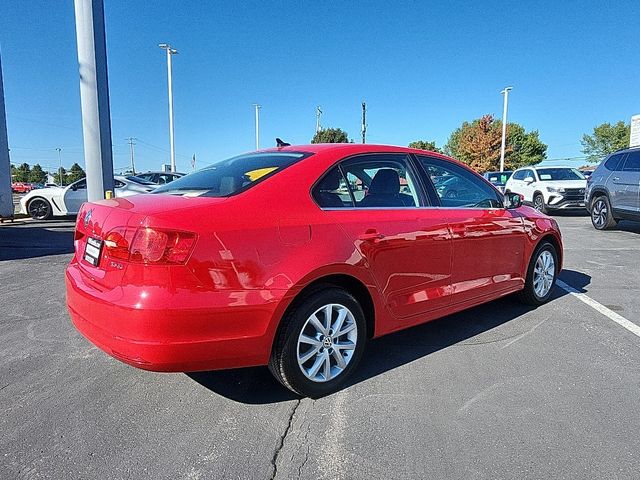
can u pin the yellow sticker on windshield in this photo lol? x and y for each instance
(259, 173)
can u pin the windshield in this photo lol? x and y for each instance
(498, 178)
(547, 174)
(232, 176)
(139, 180)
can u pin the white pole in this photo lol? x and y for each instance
(171, 139)
(505, 92)
(60, 166)
(94, 97)
(257, 125)
(6, 199)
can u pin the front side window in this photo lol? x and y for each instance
(232, 176)
(550, 174)
(381, 181)
(519, 175)
(632, 163)
(457, 187)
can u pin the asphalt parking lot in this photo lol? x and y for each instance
(499, 391)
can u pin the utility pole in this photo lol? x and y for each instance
(504, 92)
(318, 115)
(257, 107)
(60, 166)
(132, 142)
(170, 53)
(364, 122)
(94, 97)
(6, 198)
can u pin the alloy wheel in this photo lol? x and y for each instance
(599, 213)
(327, 342)
(544, 273)
(38, 209)
(538, 203)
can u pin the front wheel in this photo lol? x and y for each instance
(538, 203)
(601, 214)
(541, 275)
(319, 343)
(39, 209)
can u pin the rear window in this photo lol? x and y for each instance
(498, 178)
(232, 176)
(559, 174)
(613, 162)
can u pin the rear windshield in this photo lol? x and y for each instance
(559, 174)
(232, 176)
(498, 178)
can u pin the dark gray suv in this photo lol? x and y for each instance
(613, 190)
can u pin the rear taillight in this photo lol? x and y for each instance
(149, 245)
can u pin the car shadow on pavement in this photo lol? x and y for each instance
(257, 386)
(627, 226)
(21, 241)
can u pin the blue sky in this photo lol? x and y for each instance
(422, 67)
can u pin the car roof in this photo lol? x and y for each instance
(349, 148)
(538, 167)
(160, 171)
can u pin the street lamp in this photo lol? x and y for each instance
(258, 107)
(60, 165)
(170, 52)
(505, 92)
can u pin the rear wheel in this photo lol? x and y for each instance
(39, 209)
(601, 214)
(541, 275)
(538, 203)
(319, 343)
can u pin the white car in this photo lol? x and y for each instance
(549, 188)
(44, 203)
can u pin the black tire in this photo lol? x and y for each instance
(538, 203)
(39, 209)
(528, 295)
(601, 213)
(283, 363)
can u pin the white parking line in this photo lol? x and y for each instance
(619, 319)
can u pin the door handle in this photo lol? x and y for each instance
(615, 179)
(370, 235)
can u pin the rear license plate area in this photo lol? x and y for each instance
(92, 251)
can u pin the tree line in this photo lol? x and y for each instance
(35, 174)
(478, 143)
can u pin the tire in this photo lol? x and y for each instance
(290, 354)
(39, 209)
(532, 294)
(538, 203)
(601, 214)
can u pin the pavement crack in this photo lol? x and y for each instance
(276, 453)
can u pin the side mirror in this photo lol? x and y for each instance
(512, 200)
(74, 187)
(528, 180)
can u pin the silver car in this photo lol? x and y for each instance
(613, 190)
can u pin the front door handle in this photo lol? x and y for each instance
(370, 235)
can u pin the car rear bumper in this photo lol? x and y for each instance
(234, 330)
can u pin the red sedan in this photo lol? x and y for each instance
(294, 257)
(21, 187)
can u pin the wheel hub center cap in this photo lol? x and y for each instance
(326, 342)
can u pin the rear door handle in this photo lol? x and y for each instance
(370, 235)
(615, 179)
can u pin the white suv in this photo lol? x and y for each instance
(549, 188)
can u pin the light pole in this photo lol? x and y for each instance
(170, 52)
(60, 166)
(318, 115)
(258, 107)
(505, 92)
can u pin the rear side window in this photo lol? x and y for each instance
(613, 162)
(382, 181)
(332, 190)
(632, 162)
(519, 175)
(457, 187)
(232, 176)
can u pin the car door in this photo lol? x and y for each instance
(488, 240)
(74, 196)
(529, 184)
(407, 252)
(626, 184)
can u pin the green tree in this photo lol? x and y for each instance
(75, 173)
(37, 174)
(477, 143)
(425, 145)
(22, 173)
(56, 176)
(605, 139)
(330, 135)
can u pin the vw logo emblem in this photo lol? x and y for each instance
(87, 217)
(582, 190)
